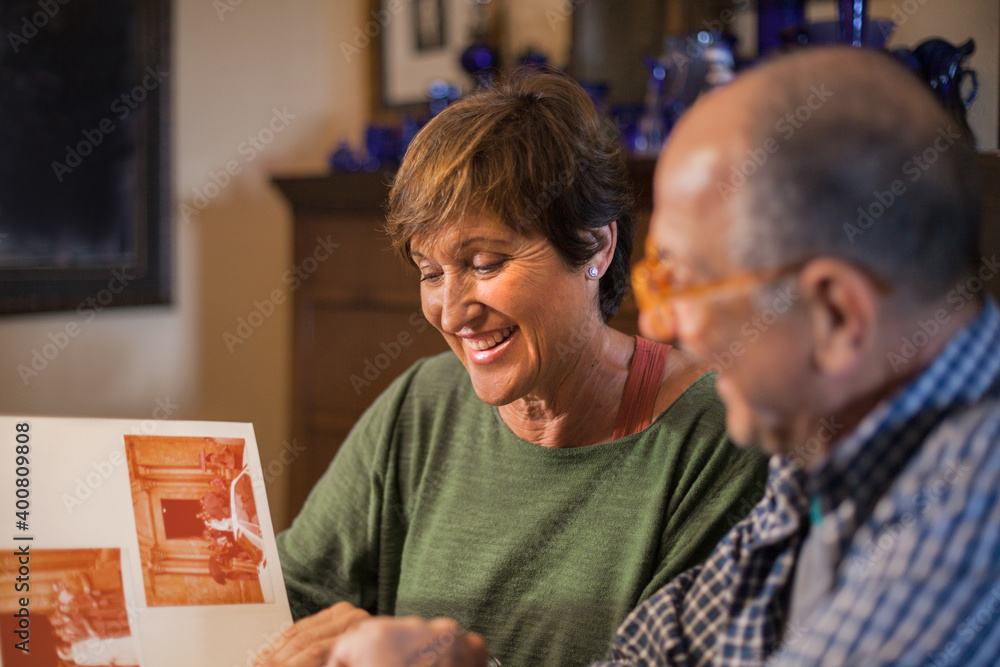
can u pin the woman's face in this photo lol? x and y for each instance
(515, 314)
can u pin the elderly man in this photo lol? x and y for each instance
(815, 237)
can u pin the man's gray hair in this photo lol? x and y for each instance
(868, 168)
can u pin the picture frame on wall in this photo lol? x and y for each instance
(84, 156)
(429, 25)
(420, 41)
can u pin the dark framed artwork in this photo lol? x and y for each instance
(418, 42)
(84, 154)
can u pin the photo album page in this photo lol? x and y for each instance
(135, 543)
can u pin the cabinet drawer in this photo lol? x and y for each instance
(359, 351)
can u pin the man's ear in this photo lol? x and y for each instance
(607, 238)
(843, 311)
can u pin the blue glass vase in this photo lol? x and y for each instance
(854, 22)
(774, 17)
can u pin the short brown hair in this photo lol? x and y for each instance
(532, 150)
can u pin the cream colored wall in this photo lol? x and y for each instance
(228, 76)
(545, 25)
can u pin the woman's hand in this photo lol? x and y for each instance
(308, 642)
(409, 642)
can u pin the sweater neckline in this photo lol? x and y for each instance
(599, 448)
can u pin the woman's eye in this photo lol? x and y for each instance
(429, 277)
(488, 268)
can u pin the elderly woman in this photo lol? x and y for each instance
(550, 472)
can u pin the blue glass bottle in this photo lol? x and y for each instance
(774, 16)
(854, 22)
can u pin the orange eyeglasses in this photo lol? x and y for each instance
(654, 289)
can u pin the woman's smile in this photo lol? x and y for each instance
(487, 348)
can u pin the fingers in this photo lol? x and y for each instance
(478, 652)
(439, 644)
(308, 642)
(450, 647)
(409, 642)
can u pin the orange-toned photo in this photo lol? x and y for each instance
(75, 612)
(200, 539)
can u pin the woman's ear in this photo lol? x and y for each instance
(607, 239)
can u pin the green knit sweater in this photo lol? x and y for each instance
(434, 507)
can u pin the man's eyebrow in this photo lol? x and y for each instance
(697, 264)
(702, 266)
(658, 250)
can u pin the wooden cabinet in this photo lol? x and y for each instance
(358, 323)
(357, 320)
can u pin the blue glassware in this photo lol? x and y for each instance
(942, 65)
(830, 32)
(597, 92)
(380, 146)
(343, 159)
(440, 94)
(653, 123)
(480, 61)
(626, 117)
(408, 129)
(774, 17)
(533, 59)
(854, 22)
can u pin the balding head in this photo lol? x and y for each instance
(786, 203)
(844, 152)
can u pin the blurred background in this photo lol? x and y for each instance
(302, 69)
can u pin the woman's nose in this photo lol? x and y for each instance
(458, 303)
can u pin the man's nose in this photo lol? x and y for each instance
(657, 323)
(687, 319)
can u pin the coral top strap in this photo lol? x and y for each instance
(645, 374)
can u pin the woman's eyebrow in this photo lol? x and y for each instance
(476, 239)
(416, 254)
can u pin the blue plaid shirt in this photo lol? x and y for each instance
(908, 508)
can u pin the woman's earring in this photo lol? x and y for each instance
(593, 271)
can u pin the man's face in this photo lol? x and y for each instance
(748, 331)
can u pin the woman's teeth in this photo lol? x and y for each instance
(490, 341)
